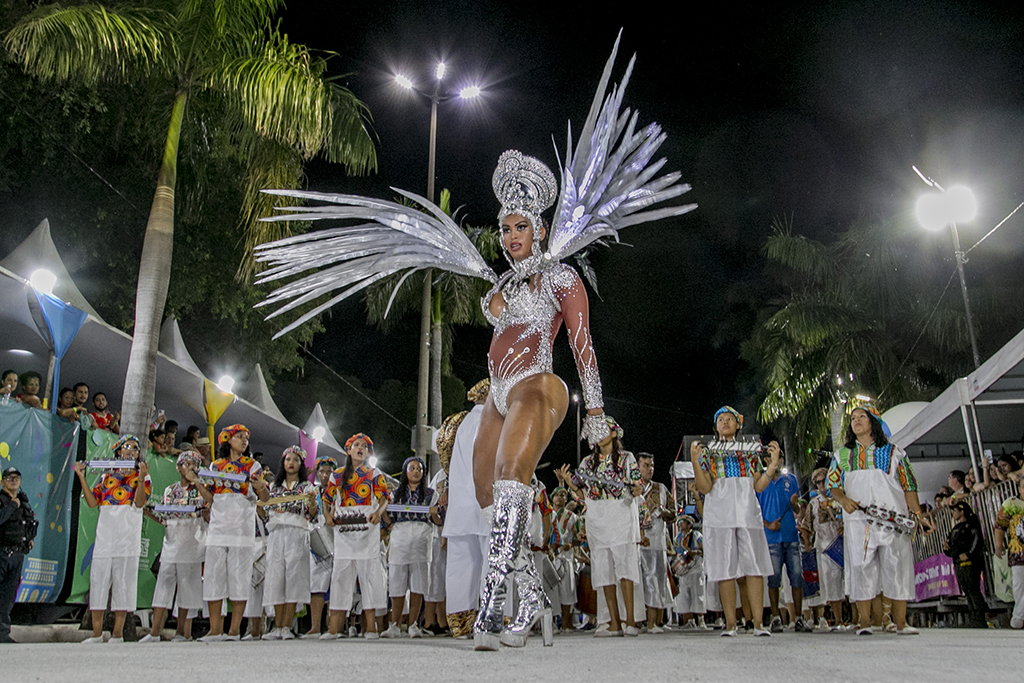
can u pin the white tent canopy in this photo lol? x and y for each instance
(99, 355)
(983, 411)
(318, 419)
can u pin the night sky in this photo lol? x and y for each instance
(813, 112)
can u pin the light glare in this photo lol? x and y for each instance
(955, 205)
(403, 81)
(470, 92)
(318, 433)
(226, 384)
(43, 280)
(372, 461)
(441, 69)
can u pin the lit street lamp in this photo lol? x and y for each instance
(937, 209)
(423, 385)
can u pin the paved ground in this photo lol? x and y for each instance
(936, 655)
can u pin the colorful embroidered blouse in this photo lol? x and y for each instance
(605, 481)
(563, 528)
(243, 465)
(118, 488)
(364, 486)
(689, 542)
(176, 494)
(888, 459)
(727, 459)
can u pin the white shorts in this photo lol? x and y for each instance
(690, 599)
(287, 579)
(608, 566)
(372, 582)
(407, 577)
(186, 578)
(733, 552)
(320, 574)
(436, 589)
(117, 577)
(653, 567)
(885, 566)
(467, 556)
(228, 573)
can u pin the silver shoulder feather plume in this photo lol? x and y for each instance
(610, 177)
(351, 258)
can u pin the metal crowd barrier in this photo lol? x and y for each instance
(986, 504)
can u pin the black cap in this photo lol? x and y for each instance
(11, 470)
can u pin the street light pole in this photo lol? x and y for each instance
(576, 400)
(963, 288)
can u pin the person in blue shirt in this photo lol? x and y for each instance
(779, 501)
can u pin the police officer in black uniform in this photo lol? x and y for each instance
(17, 529)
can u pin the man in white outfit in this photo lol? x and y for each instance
(467, 527)
(660, 510)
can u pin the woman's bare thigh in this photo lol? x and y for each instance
(485, 449)
(536, 407)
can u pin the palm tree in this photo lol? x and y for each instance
(848, 325)
(455, 300)
(224, 66)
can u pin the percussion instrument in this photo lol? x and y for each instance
(834, 551)
(112, 465)
(259, 570)
(166, 512)
(321, 543)
(350, 521)
(282, 502)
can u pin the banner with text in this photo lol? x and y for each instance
(934, 577)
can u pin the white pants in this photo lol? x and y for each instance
(831, 586)
(372, 582)
(117, 577)
(407, 577)
(886, 566)
(287, 579)
(436, 589)
(608, 566)
(690, 599)
(734, 552)
(187, 578)
(228, 573)
(467, 556)
(653, 567)
(1018, 592)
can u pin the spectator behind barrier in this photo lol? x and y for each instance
(30, 383)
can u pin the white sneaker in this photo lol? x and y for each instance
(371, 635)
(656, 629)
(607, 633)
(212, 639)
(273, 634)
(823, 625)
(178, 638)
(415, 631)
(908, 631)
(116, 640)
(631, 631)
(1017, 623)
(352, 632)
(311, 636)
(95, 640)
(247, 636)
(149, 638)
(331, 636)
(392, 631)
(230, 638)
(690, 626)
(286, 634)
(762, 632)
(729, 633)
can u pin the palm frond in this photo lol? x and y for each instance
(89, 43)
(805, 256)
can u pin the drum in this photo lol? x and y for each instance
(834, 551)
(259, 570)
(586, 597)
(321, 543)
(681, 564)
(549, 571)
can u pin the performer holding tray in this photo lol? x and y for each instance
(232, 531)
(181, 559)
(874, 482)
(120, 495)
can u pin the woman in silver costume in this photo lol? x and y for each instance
(608, 182)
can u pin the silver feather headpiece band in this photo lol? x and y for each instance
(524, 186)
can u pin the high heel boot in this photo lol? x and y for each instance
(534, 604)
(512, 504)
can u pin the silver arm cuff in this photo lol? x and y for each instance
(595, 429)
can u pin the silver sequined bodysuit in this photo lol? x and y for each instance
(525, 330)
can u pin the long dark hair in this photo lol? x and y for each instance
(877, 435)
(224, 450)
(617, 449)
(403, 484)
(281, 474)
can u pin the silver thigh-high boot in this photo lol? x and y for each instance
(512, 504)
(534, 604)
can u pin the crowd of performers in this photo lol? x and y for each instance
(410, 556)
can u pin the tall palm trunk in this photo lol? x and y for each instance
(154, 278)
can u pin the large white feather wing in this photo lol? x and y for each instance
(390, 238)
(609, 180)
